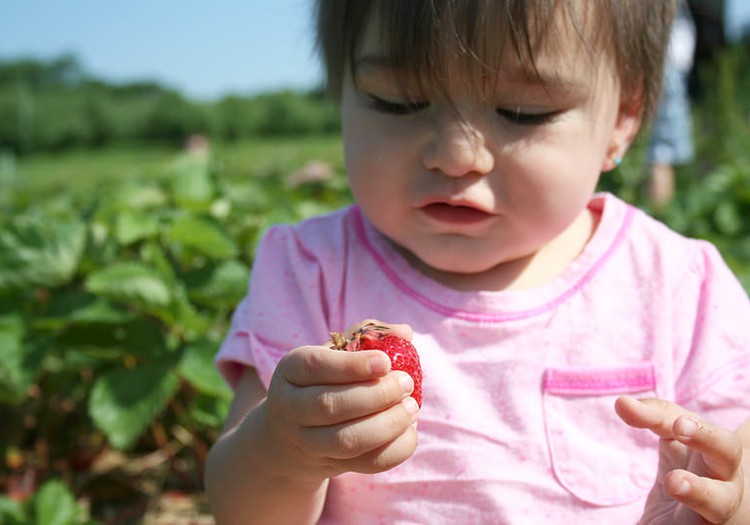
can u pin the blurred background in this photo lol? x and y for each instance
(144, 148)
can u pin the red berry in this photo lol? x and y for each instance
(402, 353)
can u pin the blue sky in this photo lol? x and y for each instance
(205, 49)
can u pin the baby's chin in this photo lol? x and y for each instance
(470, 274)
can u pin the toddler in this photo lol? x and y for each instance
(582, 363)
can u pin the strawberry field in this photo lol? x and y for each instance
(115, 292)
(119, 270)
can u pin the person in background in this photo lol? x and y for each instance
(671, 141)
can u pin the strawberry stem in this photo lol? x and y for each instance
(351, 344)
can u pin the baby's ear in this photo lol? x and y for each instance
(629, 120)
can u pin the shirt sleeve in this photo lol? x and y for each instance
(712, 326)
(284, 308)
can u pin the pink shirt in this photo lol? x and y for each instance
(517, 423)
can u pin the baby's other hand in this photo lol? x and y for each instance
(701, 476)
(329, 412)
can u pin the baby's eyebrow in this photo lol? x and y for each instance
(380, 67)
(374, 62)
(542, 78)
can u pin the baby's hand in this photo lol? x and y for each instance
(329, 412)
(701, 478)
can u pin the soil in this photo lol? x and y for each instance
(160, 487)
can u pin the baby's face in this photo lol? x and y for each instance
(468, 187)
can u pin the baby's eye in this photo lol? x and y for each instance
(516, 116)
(395, 108)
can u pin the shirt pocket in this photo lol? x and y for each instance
(594, 454)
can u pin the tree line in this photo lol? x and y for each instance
(55, 104)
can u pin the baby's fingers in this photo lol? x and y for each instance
(355, 438)
(656, 415)
(320, 365)
(333, 404)
(716, 501)
(721, 449)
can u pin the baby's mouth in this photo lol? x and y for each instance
(455, 213)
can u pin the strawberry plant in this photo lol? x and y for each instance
(112, 306)
(52, 504)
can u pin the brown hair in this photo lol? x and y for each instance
(423, 35)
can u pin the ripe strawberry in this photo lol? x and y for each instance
(402, 353)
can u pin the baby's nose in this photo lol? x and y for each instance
(458, 148)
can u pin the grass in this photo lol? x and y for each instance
(85, 170)
(279, 154)
(47, 175)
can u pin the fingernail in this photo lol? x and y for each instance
(411, 406)
(683, 488)
(687, 427)
(406, 382)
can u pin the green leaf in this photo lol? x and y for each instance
(203, 236)
(42, 251)
(152, 253)
(131, 227)
(209, 411)
(142, 336)
(221, 286)
(197, 367)
(131, 283)
(14, 379)
(192, 184)
(19, 365)
(728, 220)
(139, 195)
(124, 402)
(250, 195)
(184, 317)
(76, 306)
(54, 504)
(11, 512)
